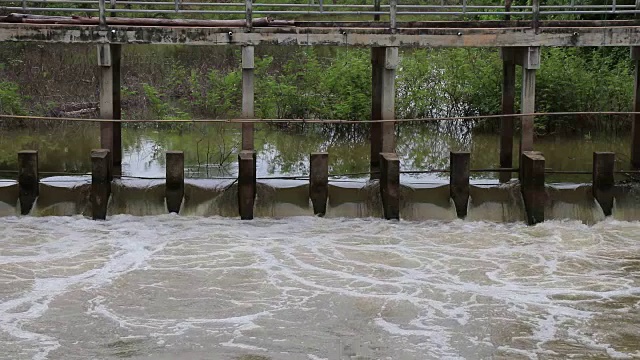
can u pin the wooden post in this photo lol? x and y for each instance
(248, 92)
(530, 62)
(100, 182)
(28, 180)
(384, 61)
(246, 183)
(319, 182)
(390, 185)
(174, 188)
(532, 185)
(603, 181)
(109, 56)
(508, 107)
(635, 124)
(459, 181)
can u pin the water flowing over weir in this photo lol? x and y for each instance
(67, 196)
(187, 287)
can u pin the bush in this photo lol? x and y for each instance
(10, 99)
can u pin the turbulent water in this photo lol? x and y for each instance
(168, 287)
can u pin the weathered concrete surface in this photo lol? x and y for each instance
(28, 180)
(508, 107)
(248, 95)
(390, 185)
(100, 183)
(384, 62)
(603, 180)
(109, 60)
(458, 35)
(459, 181)
(527, 106)
(246, 183)
(174, 188)
(375, 130)
(319, 182)
(635, 124)
(532, 185)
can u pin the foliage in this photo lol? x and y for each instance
(10, 99)
(160, 108)
(573, 81)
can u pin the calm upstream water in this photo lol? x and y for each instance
(210, 151)
(179, 287)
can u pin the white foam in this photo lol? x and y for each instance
(420, 288)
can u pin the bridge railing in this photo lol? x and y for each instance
(389, 12)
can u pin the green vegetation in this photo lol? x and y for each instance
(178, 82)
(10, 99)
(430, 83)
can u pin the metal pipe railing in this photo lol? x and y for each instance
(392, 9)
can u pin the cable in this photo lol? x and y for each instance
(317, 121)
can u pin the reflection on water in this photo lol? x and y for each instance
(167, 287)
(210, 150)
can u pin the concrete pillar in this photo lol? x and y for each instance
(603, 182)
(390, 185)
(532, 185)
(100, 182)
(174, 188)
(389, 99)
(109, 56)
(246, 183)
(508, 107)
(28, 180)
(248, 65)
(384, 62)
(635, 124)
(459, 181)
(530, 63)
(377, 67)
(319, 182)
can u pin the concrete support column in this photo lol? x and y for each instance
(508, 107)
(246, 183)
(390, 185)
(377, 68)
(28, 180)
(101, 177)
(459, 181)
(384, 63)
(532, 185)
(248, 95)
(603, 182)
(319, 182)
(530, 63)
(109, 61)
(174, 188)
(635, 124)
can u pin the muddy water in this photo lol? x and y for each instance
(210, 151)
(168, 287)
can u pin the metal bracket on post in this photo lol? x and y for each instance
(104, 55)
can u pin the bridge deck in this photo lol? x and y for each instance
(368, 34)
